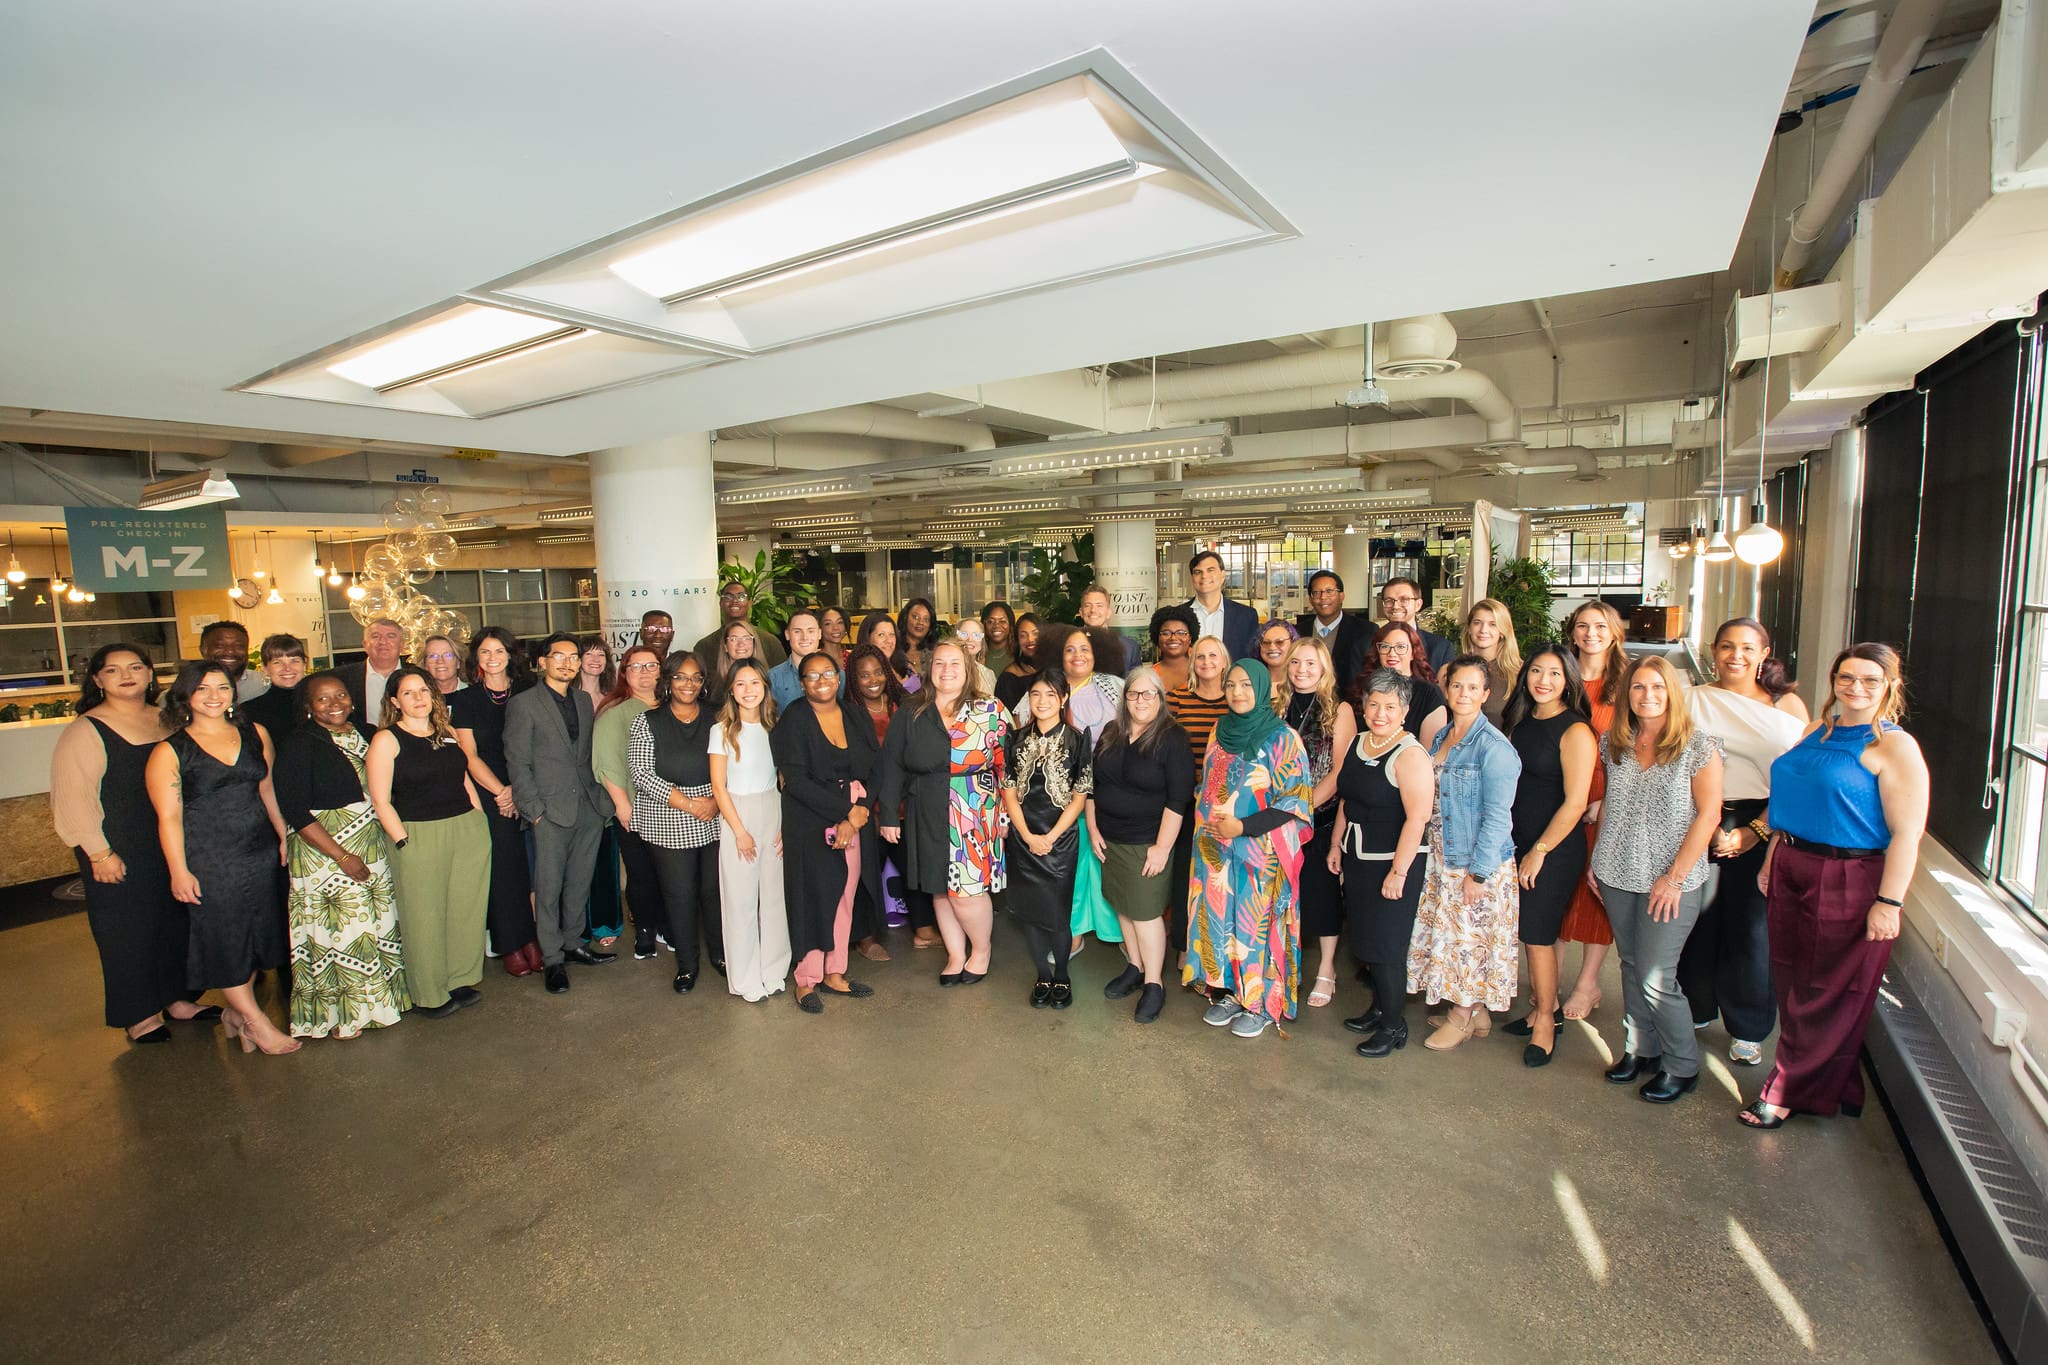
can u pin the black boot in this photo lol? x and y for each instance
(1392, 1038)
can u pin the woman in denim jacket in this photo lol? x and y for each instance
(1464, 948)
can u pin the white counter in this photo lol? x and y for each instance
(25, 747)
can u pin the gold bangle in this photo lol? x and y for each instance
(1541, 847)
(100, 858)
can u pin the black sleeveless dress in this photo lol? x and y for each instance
(510, 913)
(141, 932)
(238, 928)
(1373, 815)
(1045, 770)
(1537, 797)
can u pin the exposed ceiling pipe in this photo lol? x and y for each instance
(872, 419)
(296, 457)
(1897, 53)
(1405, 346)
(1477, 391)
(798, 453)
(1382, 478)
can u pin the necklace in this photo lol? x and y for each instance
(1365, 742)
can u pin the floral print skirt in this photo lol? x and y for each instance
(1464, 954)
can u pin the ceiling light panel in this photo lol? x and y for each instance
(1078, 454)
(981, 505)
(1070, 174)
(1361, 502)
(775, 490)
(1328, 481)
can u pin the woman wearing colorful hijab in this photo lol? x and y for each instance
(1252, 814)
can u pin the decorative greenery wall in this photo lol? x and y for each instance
(1523, 586)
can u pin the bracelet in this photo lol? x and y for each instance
(1761, 830)
(1541, 847)
(100, 858)
(1887, 900)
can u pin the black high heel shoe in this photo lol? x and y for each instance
(1522, 1028)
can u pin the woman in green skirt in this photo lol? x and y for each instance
(347, 972)
(440, 846)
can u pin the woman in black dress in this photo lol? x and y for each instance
(497, 672)
(103, 812)
(1046, 780)
(1144, 780)
(668, 752)
(223, 840)
(1550, 724)
(1387, 790)
(1014, 680)
(1308, 683)
(831, 861)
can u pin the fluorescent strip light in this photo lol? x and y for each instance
(746, 494)
(561, 514)
(469, 523)
(464, 336)
(822, 519)
(968, 509)
(1276, 485)
(565, 538)
(1031, 147)
(196, 489)
(1105, 515)
(970, 524)
(1204, 442)
(1361, 502)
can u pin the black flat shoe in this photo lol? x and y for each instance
(1062, 995)
(718, 965)
(1366, 1023)
(951, 978)
(859, 990)
(1664, 1087)
(1128, 980)
(1631, 1068)
(1522, 1028)
(440, 1011)
(813, 1003)
(1041, 995)
(205, 1014)
(685, 982)
(972, 978)
(586, 957)
(1534, 1056)
(1384, 1041)
(160, 1034)
(1150, 1002)
(557, 978)
(1753, 1116)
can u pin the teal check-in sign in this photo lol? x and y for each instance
(116, 550)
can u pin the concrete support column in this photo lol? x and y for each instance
(655, 519)
(1351, 557)
(879, 589)
(1127, 558)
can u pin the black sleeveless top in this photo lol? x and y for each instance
(426, 779)
(1541, 790)
(1373, 808)
(127, 817)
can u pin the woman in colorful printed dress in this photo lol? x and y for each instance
(1197, 707)
(1253, 810)
(348, 973)
(943, 769)
(1464, 947)
(1047, 776)
(1595, 633)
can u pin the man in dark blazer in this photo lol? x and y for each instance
(547, 751)
(366, 679)
(1401, 600)
(1349, 637)
(1236, 624)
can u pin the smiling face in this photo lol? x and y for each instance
(285, 671)
(1095, 607)
(381, 646)
(1145, 702)
(739, 641)
(821, 682)
(594, 662)
(1327, 599)
(949, 672)
(1545, 679)
(415, 698)
(1045, 704)
(329, 703)
(1397, 652)
(1400, 602)
(1737, 652)
(1077, 656)
(1648, 697)
(1860, 687)
(1175, 639)
(686, 682)
(1207, 661)
(999, 626)
(1483, 631)
(1305, 670)
(492, 658)
(214, 696)
(441, 661)
(748, 689)
(228, 646)
(1027, 638)
(1384, 713)
(803, 633)
(1207, 576)
(734, 602)
(832, 626)
(870, 680)
(1591, 635)
(883, 636)
(640, 668)
(917, 622)
(968, 633)
(562, 662)
(657, 629)
(1239, 694)
(1465, 692)
(123, 676)
(1273, 643)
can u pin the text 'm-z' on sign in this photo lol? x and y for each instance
(114, 549)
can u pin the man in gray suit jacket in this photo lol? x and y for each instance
(547, 749)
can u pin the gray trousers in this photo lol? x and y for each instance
(564, 857)
(1659, 1018)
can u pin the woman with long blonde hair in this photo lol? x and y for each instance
(1663, 805)
(1594, 631)
(1490, 633)
(1307, 700)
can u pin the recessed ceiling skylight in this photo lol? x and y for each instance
(464, 336)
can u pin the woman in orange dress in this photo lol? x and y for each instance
(1595, 634)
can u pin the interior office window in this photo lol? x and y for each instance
(2022, 851)
(45, 641)
(1778, 594)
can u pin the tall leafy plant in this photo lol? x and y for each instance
(1052, 587)
(1523, 586)
(778, 585)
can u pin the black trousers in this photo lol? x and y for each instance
(1048, 952)
(643, 884)
(510, 912)
(1178, 872)
(1725, 969)
(923, 915)
(688, 878)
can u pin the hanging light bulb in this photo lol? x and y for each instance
(258, 572)
(15, 573)
(1718, 550)
(276, 598)
(73, 595)
(1760, 542)
(57, 583)
(1699, 539)
(92, 597)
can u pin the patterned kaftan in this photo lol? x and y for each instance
(347, 970)
(974, 801)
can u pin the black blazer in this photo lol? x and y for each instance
(310, 774)
(1240, 628)
(1348, 647)
(352, 676)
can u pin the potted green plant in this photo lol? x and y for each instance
(1052, 588)
(1523, 586)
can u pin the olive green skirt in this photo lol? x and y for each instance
(1125, 886)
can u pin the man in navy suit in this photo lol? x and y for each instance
(1236, 624)
(1347, 636)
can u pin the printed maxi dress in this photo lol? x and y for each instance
(1244, 915)
(348, 972)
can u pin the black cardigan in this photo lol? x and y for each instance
(310, 774)
(815, 798)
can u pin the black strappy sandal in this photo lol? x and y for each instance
(1753, 1116)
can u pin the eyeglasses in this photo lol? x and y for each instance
(1392, 601)
(644, 666)
(1177, 633)
(556, 654)
(1144, 694)
(440, 656)
(816, 674)
(1859, 684)
(734, 596)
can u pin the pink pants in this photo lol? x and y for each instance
(815, 966)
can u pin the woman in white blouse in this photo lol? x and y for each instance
(1751, 710)
(1663, 804)
(750, 854)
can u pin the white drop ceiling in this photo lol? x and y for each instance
(200, 195)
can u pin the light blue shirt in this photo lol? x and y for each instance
(784, 684)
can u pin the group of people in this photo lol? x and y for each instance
(779, 803)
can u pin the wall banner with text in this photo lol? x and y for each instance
(114, 549)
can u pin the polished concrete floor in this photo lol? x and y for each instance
(621, 1174)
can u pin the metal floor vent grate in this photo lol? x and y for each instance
(2009, 1190)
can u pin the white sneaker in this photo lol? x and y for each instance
(1745, 1054)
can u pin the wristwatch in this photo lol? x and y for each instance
(1541, 847)
(401, 843)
